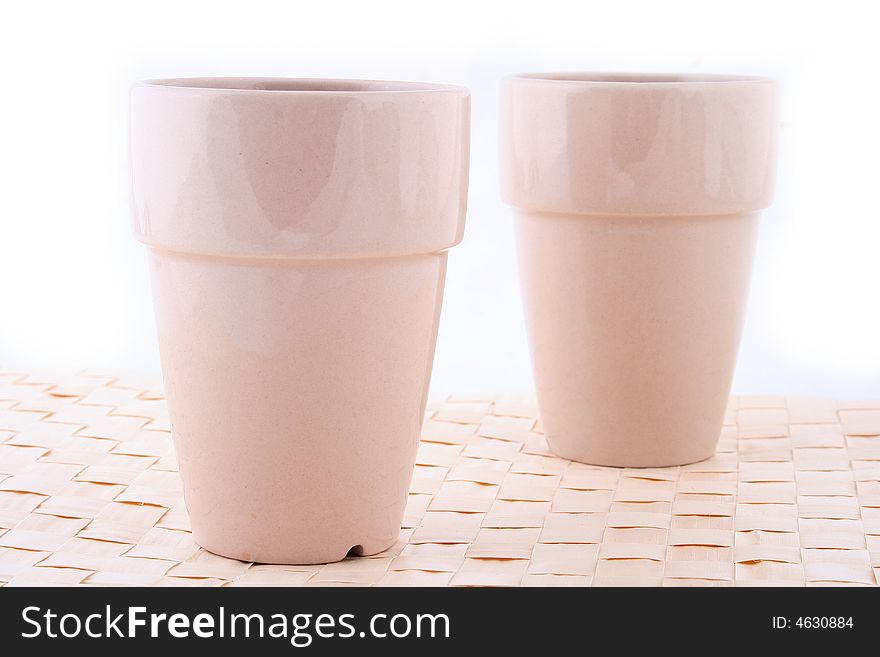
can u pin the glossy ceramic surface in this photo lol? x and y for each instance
(636, 202)
(299, 168)
(297, 233)
(594, 144)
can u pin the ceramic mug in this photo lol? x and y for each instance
(297, 234)
(636, 201)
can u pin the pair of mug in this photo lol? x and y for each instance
(298, 232)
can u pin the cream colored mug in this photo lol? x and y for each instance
(636, 200)
(297, 234)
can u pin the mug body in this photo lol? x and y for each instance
(297, 232)
(636, 202)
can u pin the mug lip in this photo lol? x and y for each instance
(300, 86)
(636, 80)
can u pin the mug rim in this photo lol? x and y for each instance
(636, 79)
(299, 86)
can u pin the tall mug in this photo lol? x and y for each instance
(636, 201)
(297, 234)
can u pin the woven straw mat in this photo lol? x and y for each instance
(90, 495)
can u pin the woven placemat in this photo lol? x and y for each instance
(90, 495)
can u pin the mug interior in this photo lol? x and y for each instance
(311, 85)
(639, 78)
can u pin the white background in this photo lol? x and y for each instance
(74, 290)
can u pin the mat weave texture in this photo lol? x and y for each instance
(90, 495)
